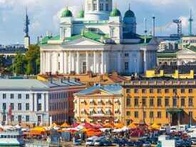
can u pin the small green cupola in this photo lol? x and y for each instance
(115, 12)
(81, 14)
(66, 13)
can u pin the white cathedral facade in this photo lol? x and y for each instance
(98, 40)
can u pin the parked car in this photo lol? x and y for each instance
(193, 140)
(146, 144)
(90, 141)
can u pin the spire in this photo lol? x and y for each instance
(129, 6)
(27, 23)
(190, 23)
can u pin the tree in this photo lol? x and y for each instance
(19, 65)
(33, 59)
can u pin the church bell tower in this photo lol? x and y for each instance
(97, 9)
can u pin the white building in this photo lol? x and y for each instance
(98, 40)
(34, 102)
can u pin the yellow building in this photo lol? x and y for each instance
(160, 101)
(99, 104)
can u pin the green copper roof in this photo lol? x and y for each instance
(47, 38)
(66, 13)
(129, 13)
(166, 55)
(115, 13)
(81, 14)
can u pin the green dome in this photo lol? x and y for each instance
(81, 14)
(66, 13)
(115, 13)
(129, 13)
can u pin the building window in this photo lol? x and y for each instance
(101, 7)
(126, 65)
(12, 106)
(151, 114)
(39, 107)
(94, 7)
(182, 90)
(167, 115)
(19, 118)
(4, 106)
(126, 54)
(19, 96)
(128, 101)
(174, 90)
(143, 90)
(39, 96)
(190, 101)
(182, 102)
(158, 90)
(159, 102)
(190, 90)
(136, 115)
(166, 102)
(166, 90)
(136, 102)
(158, 114)
(174, 101)
(128, 90)
(144, 101)
(136, 90)
(27, 96)
(19, 106)
(11, 96)
(144, 113)
(27, 118)
(151, 102)
(106, 7)
(27, 106)
(4, 96)
(151, 90)
(128, 113)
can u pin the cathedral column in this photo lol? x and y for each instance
(102, 63)
(73, 62)
(56, 67)
(62, 62)
(65, 63)
(87, 62)
(49, 62)
(145, 56)
(44, 63)
(98, 9)
(78, 63)
(70, 57)
(119, 62)
(95, 62)
(41, 61)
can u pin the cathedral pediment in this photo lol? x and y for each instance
(185, 51)
(98, 92)
(82, 41)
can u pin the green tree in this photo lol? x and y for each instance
(33, 59)
(19, 65)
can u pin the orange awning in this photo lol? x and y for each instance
(65, 125)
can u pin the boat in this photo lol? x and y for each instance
(11, 136)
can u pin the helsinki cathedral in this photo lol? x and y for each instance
(100, 40)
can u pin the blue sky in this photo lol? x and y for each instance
(44, 16)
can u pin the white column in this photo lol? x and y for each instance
(102, 62)
(31, 102)
(44, 63)
(87, 62)
(47, 102)
(98, 62)
(145, 66)
(70, 56)
(49, 63)
(62, 62)
(35, 102)
(78, 63)
(56, 61)
(119, 62)
(95, 61)
(41, 62)
(65, 63)
(73, 62)
(43, 101)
